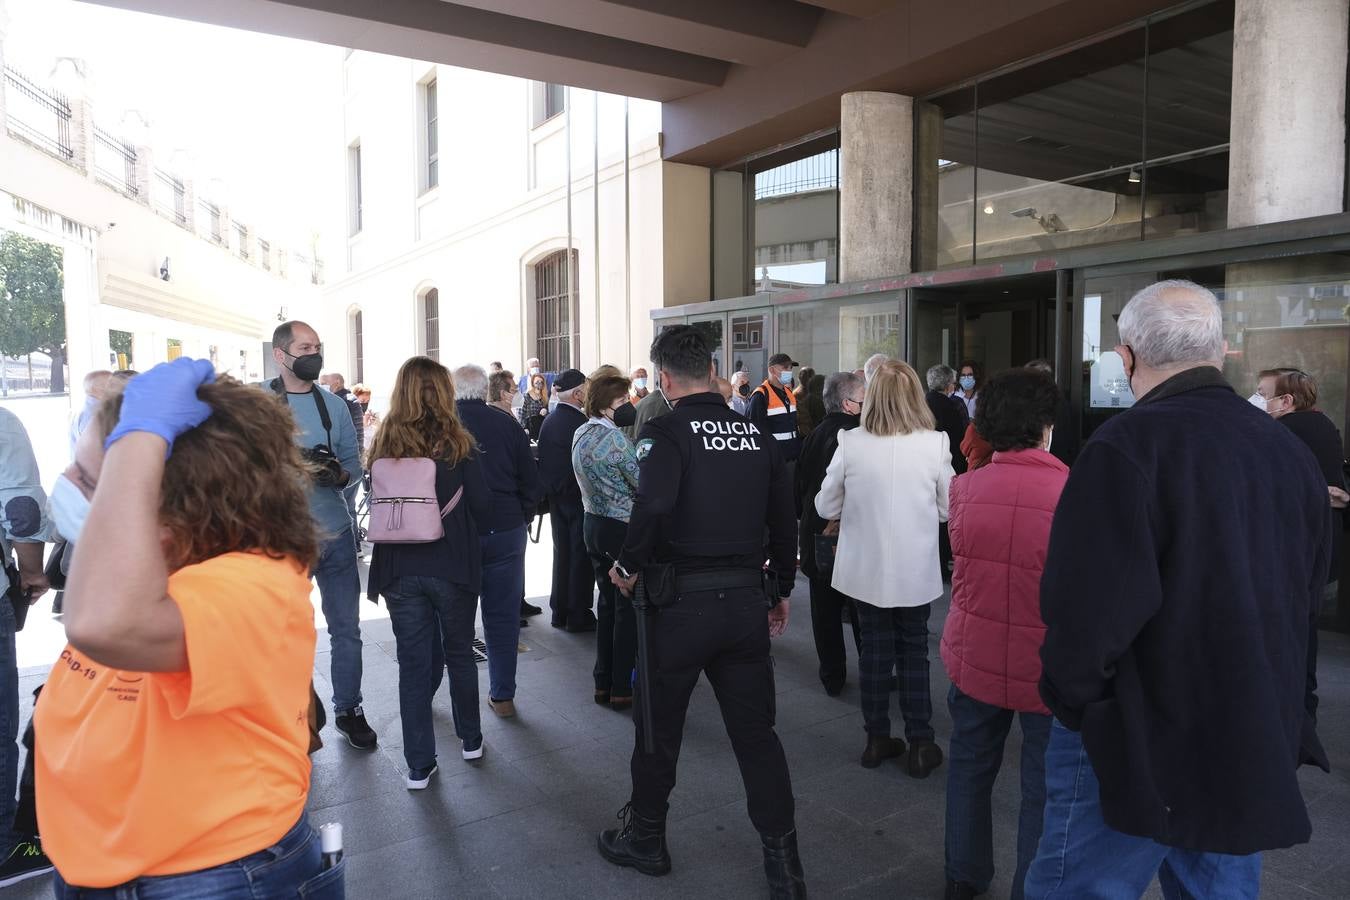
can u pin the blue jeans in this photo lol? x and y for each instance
(292, 867)
(433, 630)
(9, 728)
(974, 756)
(340, 589)
(1080, 856)
(502, 593)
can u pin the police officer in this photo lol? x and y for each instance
(709, 482)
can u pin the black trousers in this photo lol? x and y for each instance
(827, 608)
(725, 635)
(573, 578)
(616, 628)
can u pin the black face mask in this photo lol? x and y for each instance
(625, 415)
(307, 367)
(745, 390)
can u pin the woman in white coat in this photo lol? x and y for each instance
(887, 486)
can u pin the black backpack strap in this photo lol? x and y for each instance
(323, 415)
(279, 388)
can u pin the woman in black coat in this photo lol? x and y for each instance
(1291, 396)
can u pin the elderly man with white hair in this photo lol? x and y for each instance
(1187, 552)
(873, 363)
(513, 480)
(573, 592)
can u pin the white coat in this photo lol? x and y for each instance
(889, 494)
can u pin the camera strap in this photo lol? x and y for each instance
(322, 407)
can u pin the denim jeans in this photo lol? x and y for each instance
(433, 630)
(1080, 856)
(340, 589)
(502, 593)
(292, 867)
(9, 727)
(974, 756)
(616, 623)
(895, 651)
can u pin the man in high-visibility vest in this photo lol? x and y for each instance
(773, 409)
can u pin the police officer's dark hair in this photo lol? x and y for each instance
(1015, 408)
(682, 352)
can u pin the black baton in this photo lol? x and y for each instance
(644, 668)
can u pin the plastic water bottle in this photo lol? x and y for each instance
(330, 843)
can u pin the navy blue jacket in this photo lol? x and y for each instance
(555, 454)
(507, 463)
(1186, 553)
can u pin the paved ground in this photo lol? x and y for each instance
(521, 823)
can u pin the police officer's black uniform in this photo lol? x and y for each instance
(709, 483)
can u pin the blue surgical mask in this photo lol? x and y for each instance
(967, 382)
(785, 376)
(640, 383)
(69, 507)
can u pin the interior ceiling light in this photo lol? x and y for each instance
(1134, 176)
(989, 209)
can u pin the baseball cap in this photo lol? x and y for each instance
(568, 379)
(782, 359)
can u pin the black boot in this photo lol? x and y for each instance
(783, 867)
(640, 844)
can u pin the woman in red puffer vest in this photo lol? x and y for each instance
(1000, 529)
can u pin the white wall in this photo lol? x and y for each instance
(501, 205)
(213, 298)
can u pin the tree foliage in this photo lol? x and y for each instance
(32, 311)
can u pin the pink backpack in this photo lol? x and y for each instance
(403, 507)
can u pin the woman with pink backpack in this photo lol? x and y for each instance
(428, 496)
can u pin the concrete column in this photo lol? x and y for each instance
(876, 183)
(82, 135)
(144, 174)
(1287, 155)
(190, 204)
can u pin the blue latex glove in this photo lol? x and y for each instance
(164, 400)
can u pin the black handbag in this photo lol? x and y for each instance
(825, 545)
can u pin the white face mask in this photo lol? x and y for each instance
(534, 370)
(69, 508)
(1258, 401)
(1049, 440)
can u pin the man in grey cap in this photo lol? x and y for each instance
(573, 591)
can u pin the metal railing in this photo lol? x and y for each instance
(815, 173)
(170, 196)
(115, 162)
(38, 115)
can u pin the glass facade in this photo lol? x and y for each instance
(775, 222)
(1120, 140)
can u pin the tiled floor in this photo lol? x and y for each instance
(521, 823)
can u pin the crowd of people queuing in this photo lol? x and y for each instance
(1165, 703)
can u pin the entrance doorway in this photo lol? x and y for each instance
(997, 324)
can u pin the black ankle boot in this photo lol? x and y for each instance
(783, 867)
(640, 844)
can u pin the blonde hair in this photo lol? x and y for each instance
(895, 401)
(422, 418)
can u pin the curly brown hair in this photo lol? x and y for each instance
(235, 483)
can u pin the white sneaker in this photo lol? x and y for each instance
(476, 752)
(418, 779)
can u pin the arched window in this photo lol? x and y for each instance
(555, 316)
(356, 341)
(431, 324)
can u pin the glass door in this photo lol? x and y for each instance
(934, 330)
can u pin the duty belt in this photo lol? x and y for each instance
(718, 580)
